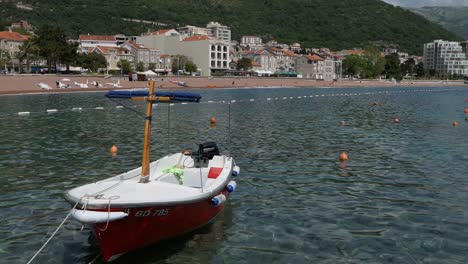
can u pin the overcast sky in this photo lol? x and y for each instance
(419, 3)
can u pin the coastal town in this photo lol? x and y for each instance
(210, 51)
(208, 131)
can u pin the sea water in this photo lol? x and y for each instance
(400, 198)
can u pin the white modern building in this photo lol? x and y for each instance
(251, 42)
(446, 56)
(89, 42)
(218, 31)
(210, 51)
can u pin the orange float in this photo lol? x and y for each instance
(375, 104)
(343, 156)
(212, 120)
(465, 111)
(113, 149)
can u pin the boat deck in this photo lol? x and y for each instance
(174, 179)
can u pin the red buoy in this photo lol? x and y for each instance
(212, 120)
(466, 111)
(375, 104)
(396, 120)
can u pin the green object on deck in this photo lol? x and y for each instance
(178, 172)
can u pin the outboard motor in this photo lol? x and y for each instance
(207, 150)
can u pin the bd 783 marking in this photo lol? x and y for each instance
(145, 213)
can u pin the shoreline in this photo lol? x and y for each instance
(28, 84)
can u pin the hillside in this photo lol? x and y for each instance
(454, 19)
(335, 24)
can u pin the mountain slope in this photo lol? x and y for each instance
(335, 24)
(454, 19)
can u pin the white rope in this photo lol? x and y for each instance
(80, 109)
(53, 234)
(96, 258)
(108, 212)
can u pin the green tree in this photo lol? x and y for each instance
(52, 45)
(244, 64)
(178, 63)
(420, 71)
(27, 52)
(140, 66)
(124, 66)
(92, 61)
(5, 59)
(392, 67)
(190, 67)
(152, 66)
(353, 65)
(409, 67)
(375, 64)
(69, 55)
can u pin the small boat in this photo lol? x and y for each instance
(115, 85)
(184, 84)
(44, 86)
(159, 200)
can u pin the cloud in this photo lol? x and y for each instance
(420, 3)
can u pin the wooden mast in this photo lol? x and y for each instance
(145, 161)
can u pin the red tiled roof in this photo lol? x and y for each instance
(164, 56)
(314, 57)
(196, 38)
(355, 52)
(159, 32)
(135, 45)
(256, 64)
(276, 49)
(107, 50)
(97, 37)
(13, 36)
(290, 53)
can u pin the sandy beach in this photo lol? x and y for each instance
(21, 84)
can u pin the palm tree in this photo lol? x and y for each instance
(5, 58)
(27, 51)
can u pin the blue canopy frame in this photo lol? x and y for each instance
(174, 96)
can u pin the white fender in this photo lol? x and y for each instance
(93, 217)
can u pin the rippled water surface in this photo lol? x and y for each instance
(401, 197)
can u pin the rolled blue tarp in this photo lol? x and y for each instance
(174, 96)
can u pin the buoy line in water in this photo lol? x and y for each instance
(100, 108)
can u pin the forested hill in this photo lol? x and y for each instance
(454, 19)
(337, 24)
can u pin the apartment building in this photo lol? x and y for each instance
(210, 51)
(113, 55)
(89, 42)
(446, 57)
(11, 41)
(142, 54)
(319, 67)
(218, 31)
(251, 42)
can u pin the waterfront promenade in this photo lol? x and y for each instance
(19, 84)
